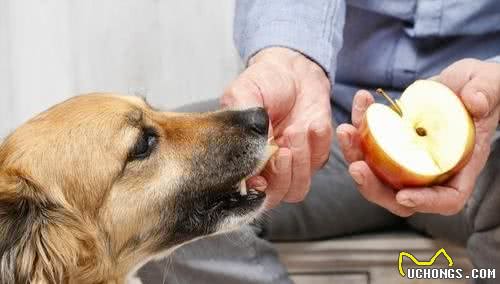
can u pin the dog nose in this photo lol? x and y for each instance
(256, 120)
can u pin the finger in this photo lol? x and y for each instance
(320, 140)
(457, 74)
(437, 200)
(362, 100)
(465, 180)
(481, 95)
(301, 166)
(449, 199)
(257, 182)
(373, 190)
(476, 82)
(350, 142)
(278, 175)
(263, 85)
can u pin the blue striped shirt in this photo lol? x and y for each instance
(369, 44)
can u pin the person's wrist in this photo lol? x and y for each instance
(285, 57)
(293, 62)
(276, 55)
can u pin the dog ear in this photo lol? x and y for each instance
(39, 238)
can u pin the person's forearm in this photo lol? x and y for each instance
(313, 28)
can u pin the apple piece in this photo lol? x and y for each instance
(270, 150)
(422, 139)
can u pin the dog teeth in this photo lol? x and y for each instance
(243, 188)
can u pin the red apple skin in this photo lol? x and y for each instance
(396, 176)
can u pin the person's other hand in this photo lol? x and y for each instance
(477, 83)
(295, 92)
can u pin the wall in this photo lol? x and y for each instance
(174, 52)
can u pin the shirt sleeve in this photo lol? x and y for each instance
(495, 59)
(313, 28)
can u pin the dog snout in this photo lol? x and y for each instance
(255, 120)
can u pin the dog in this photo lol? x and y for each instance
(98, 185)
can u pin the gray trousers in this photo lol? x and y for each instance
(333, 208)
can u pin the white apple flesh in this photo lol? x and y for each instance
(425, 144)
(270, 150)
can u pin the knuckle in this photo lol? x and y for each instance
(463, 64)
(297, 139)
(323, 128)
(321, 160)
(293, 132)
(226, 99)
(467, 62)
(297, 195)
(454, 209)
(232, 89)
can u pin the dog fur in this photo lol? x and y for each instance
(78, 204)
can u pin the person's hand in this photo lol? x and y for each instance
(477, 83)
(295, 92)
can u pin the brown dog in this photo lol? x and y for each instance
(96, 186)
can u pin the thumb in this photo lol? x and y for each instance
(242, 93)
(480, 96)
(476, 83)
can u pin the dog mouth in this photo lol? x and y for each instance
(238, 203)
(241, 197)
(270, 149)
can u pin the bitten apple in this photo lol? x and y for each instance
(270, 150)
(422, 139)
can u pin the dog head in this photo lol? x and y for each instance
(96, 185)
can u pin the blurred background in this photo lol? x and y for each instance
(173, 52)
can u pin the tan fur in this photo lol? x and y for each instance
(66, 170)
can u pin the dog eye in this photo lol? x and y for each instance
(144, 145)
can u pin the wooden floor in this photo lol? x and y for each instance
(366, 259)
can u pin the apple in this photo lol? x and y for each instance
(423, 139)
(270, 149)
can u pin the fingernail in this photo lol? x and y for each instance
(346, 140)
(358, 177)
(360, 104)
(260, 187)
(407, 202)
(480, 105)
(257, 183)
